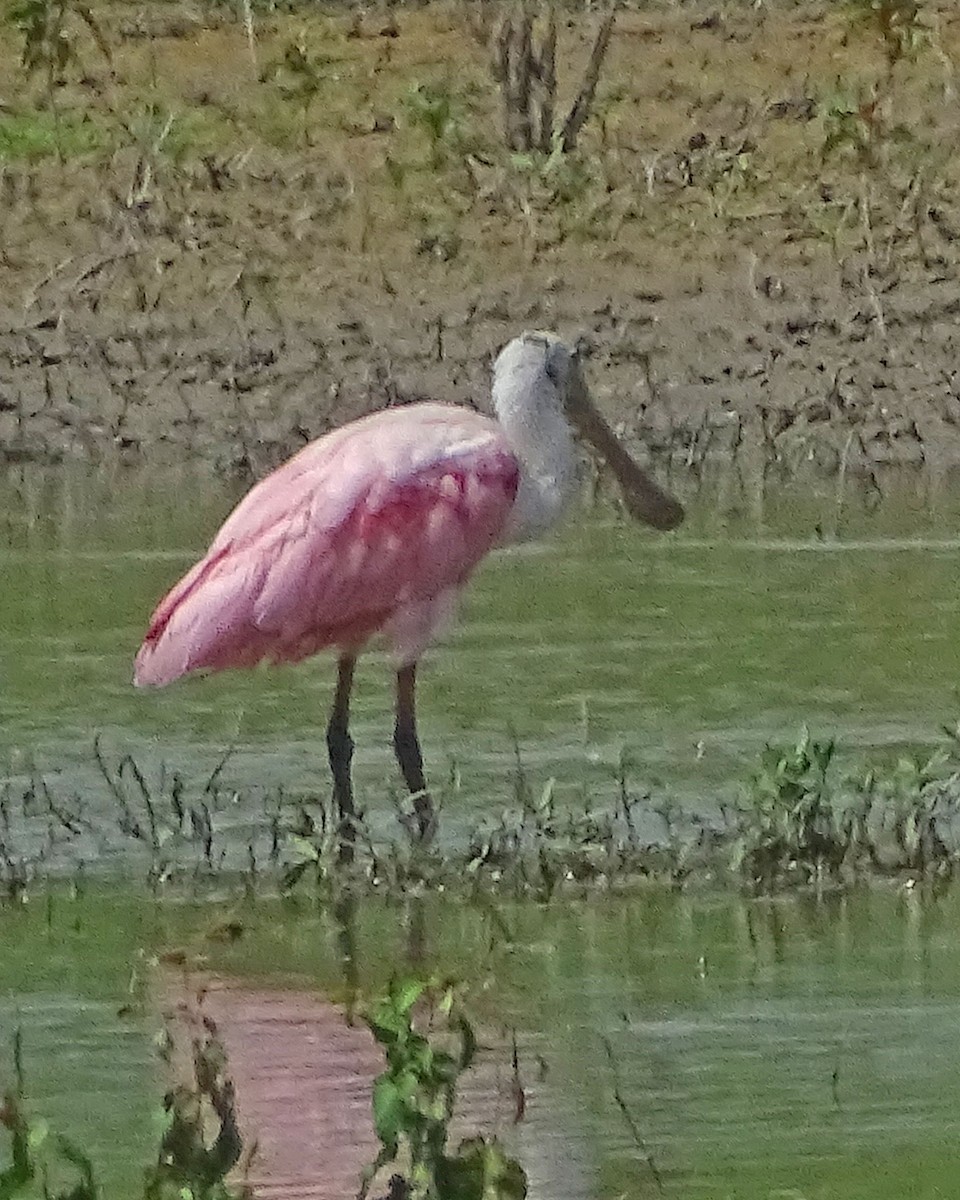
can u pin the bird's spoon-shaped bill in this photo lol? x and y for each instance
(645, 500)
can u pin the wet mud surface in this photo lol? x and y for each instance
(691, 378)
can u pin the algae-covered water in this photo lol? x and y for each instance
(802, 1048)
(680, 654)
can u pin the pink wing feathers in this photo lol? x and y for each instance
(376, 521)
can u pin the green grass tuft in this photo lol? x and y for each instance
(30, 136)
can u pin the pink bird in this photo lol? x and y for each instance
(375, 529)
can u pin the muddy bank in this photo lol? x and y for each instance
(764, 271)
(715, 372)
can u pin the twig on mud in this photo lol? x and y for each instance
(874, 299)
(872, 262)
(70, 289)
(251, 41)
(31, 297)
(138, 192)
(98, 265)
(915, 201)
(840, 495)
(650, 163)
(225, 291)
(584, 101)
(516, 1084)
(96, 32)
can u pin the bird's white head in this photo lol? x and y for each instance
(530, 356)
(529, 382)
(537, 381)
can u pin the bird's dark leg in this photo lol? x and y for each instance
(340, 752)
(406, 745)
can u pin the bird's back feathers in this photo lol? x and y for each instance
(377, 521)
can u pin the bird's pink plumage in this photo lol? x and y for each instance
(373, 524)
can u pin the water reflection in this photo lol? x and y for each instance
(806, 1044)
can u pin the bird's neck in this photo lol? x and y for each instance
(528, 409)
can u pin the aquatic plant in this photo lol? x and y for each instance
(790, 820)
(415, 1096)
(37, 1156)
(800, 819)
(189, 1166)
(537, 846)
(801, 823)
(909, 810)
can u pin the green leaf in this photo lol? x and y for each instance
(304, 848)
(405, 995)
(389, 1112)
(386, 1033)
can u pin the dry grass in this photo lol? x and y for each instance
(700, 127)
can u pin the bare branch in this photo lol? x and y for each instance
(527, 77)
(584, 101)
(546, 70)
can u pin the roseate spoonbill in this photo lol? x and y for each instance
(376, 527)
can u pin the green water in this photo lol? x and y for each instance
(794, 1049)
(683, 654)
